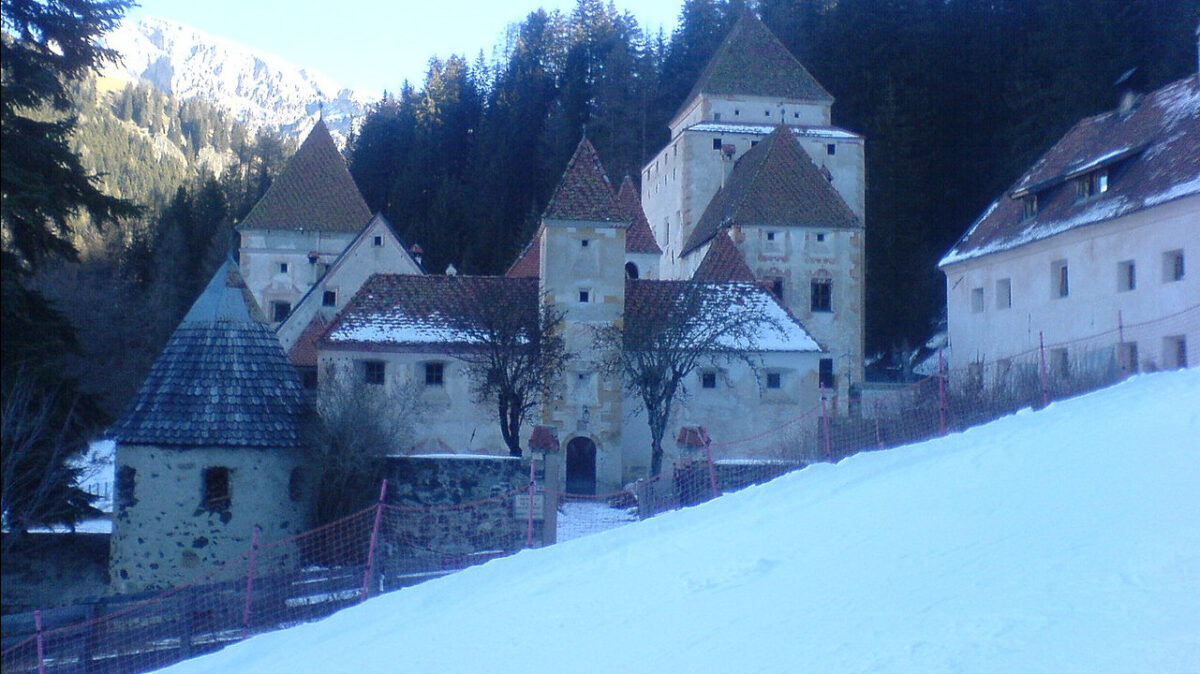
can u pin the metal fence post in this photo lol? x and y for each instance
(1122, 355)
(1042, 365)
(712, 471)
(250, 582)
(825, 424)
(366, 584)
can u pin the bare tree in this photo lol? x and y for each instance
(355, 426)
(514, 350)
(39, 430)
(673, 327)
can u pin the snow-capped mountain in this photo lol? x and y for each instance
(259, 89)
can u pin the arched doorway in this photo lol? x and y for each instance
(581, 466)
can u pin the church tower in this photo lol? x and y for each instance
(582, 275)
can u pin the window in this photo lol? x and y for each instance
(1126, 276)
(825, 373)
(770, 236)
(1060, 279)
(377, 241)
(308, 376)
(1060, 363)
(329, 298)
(1127, 353)
(753, 143)
(777, 288)
(296, 484)
(283, 267)
(774, 380)
(766, 113)
(830, 149)
(822, 294)
(216, 494)
(736, 112)
(1091, 184)
(1173, 266)
(976, 300)
(717, 143)
(1175, 351)
(585, 295)
(126, 484)
(708, 379)
(631, 270)
(374, 371)
(583, 243)
(1004, 293)
(796, 115)
(280, 310)
(716, 116)
(820, 237)
(1030, 205)
(435, 374)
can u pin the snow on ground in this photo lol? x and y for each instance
(584, 518)
(1066, 540)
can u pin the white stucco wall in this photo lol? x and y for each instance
(262, 251)
(164, 536)
(1093, 255)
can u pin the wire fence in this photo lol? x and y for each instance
(277, 584)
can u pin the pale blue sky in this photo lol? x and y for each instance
(372, 45)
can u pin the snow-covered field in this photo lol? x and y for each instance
(1066, 540)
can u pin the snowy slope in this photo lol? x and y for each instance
(258, 89)
(1066, 540)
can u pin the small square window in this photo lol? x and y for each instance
(708, 379)
(1126, 276)
(717, 143)
(374, 371)
(774, 380)
(283, 267)
(583, 243)
(280, 310)
(822, 295)
(1004, 293)
(777, 288)
(796, 115)
(1060, 278)
(217, 495)
(716, 116)
(831, 149)
(1173, 266)
(766, 113)
(329, 298)
(820, 237)
(585, 296)
(377, 241)
(435, 374)
(976, 300)
(753, 143)
(770, 236)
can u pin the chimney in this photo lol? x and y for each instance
(1128, 84)
(417, 252)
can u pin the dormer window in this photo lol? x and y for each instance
(1030, 205)
(1091, 184)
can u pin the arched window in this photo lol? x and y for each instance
(631, 270)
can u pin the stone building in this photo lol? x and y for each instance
(1090, 250)
(209, 448)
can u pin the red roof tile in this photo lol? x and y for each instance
(723, 262)
(584, 192)
(529, 261)
(314, 192)
(775, 184)
(639, 238)
(304, 351)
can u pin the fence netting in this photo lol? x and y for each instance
(280, 583)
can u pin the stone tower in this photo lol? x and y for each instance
(582, 275)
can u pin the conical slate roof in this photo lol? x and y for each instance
(314, 192)
(584, 192)
(775, 184)
(753, 62)
(222, 380)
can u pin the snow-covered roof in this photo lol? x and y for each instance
(828, 132)
(1150, 157)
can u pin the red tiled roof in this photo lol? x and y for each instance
(723, 262)
(753, 62)
(314, 192)
(1150, 154)
(639, 238)
(775, 184)
(529, 261)
(304, 351)
(584, 192)
(400, 309)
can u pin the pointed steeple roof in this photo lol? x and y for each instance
(723, 262)
(753, 62)
(584, 192)
(314, 192)
(222, 380)
(775, 184)
(639, 238)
